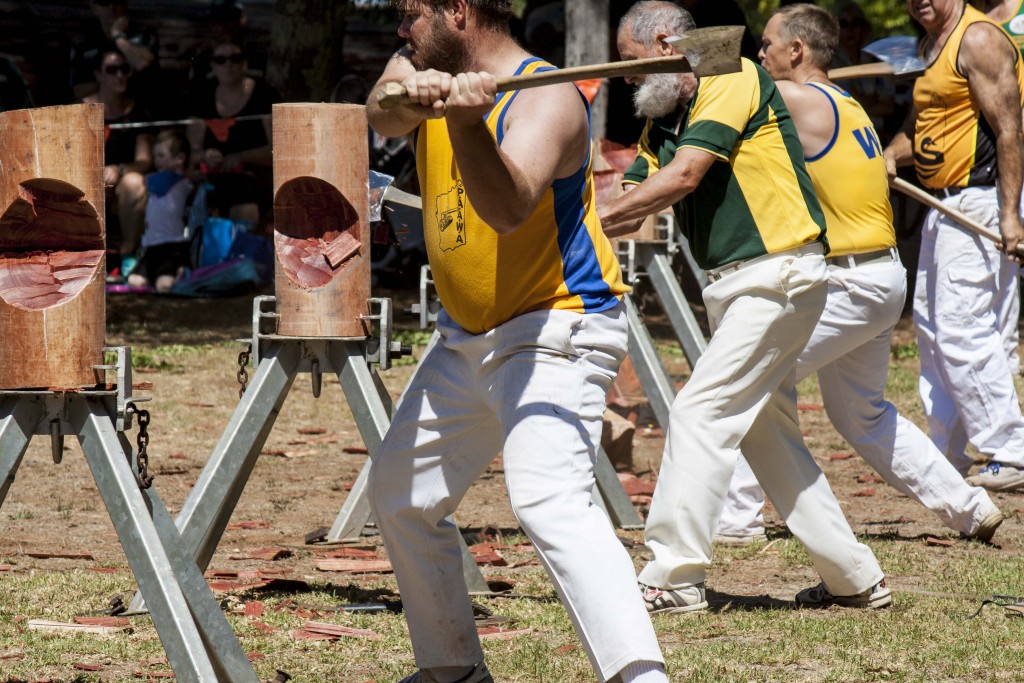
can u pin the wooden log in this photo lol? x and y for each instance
(321, 225)
(52, 313)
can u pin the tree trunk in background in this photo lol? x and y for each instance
(587, 41)
(306, 42)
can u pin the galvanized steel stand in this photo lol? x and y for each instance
(199, 641)
(653, 260)
(278, 359)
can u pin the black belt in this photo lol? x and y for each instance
(948, 191)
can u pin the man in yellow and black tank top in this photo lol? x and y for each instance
(724, 152)
(954, 142)
(963, 137)
(849, 349)
(530, 336)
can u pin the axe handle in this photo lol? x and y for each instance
(958, 216)
(393, 94)
(873, 70)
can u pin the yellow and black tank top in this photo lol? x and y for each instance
(850, 179)
(558, 259)
(954, 145)
(760, 200)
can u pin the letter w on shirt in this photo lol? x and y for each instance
(867, 138)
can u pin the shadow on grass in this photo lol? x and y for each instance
(149, 320)
(722, 602)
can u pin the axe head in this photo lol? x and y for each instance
(378, 186)
(710, 51)
(899, 52)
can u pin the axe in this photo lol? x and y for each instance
(928, 200)
(710, 51)
(899, 59)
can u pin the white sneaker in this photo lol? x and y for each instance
(674, 601)
(740, 540)
(819, 596)
(996, 476)
(987, 528)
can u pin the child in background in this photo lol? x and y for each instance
(165, 242)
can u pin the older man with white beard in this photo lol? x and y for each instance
(723, 151)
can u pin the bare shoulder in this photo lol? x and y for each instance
(551, 105)
(548, 127)
(986, 49)
(802, 99)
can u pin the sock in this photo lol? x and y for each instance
(643, 672)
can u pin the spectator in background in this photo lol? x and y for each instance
(228, 23)
(139, 47)
(231, 136)
(165, 244)
(875, 95)
(128, 155)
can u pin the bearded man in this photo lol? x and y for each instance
(724, 152)
(531, 335)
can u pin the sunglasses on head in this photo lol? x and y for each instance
(112, 69)
(236, 58)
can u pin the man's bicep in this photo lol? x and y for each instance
(546, 138)
(991, 76)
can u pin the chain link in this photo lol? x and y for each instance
(145, 478)
(243, 373)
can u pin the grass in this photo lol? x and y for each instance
(751, 634)
(923, 638)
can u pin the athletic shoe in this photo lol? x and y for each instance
(479, 674)
(818, 596)
(987, 528)
(996, 476)
(675, 601)
(738, 540)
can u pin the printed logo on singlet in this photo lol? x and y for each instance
(867, 138)
(929, 158)
(451, 220)
(1016, 25)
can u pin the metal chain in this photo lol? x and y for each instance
(243, 373)
(145, 478)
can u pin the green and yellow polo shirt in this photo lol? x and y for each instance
(760, 201)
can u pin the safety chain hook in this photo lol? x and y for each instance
(142, 440)
(243, 373)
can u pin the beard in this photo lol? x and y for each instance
(440, 50)
(657, 96)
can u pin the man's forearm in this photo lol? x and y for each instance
(900, 151)
(1011, 172)
(390, 123)
(658, 192)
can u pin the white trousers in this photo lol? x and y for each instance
(849, 350)
(742, 395)
(533, 389)
(966, 382)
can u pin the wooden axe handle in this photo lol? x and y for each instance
(393, 94)
(873, 70)
(958, 216)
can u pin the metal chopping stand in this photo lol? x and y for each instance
(199, 641)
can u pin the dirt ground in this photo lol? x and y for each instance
(314, 451)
